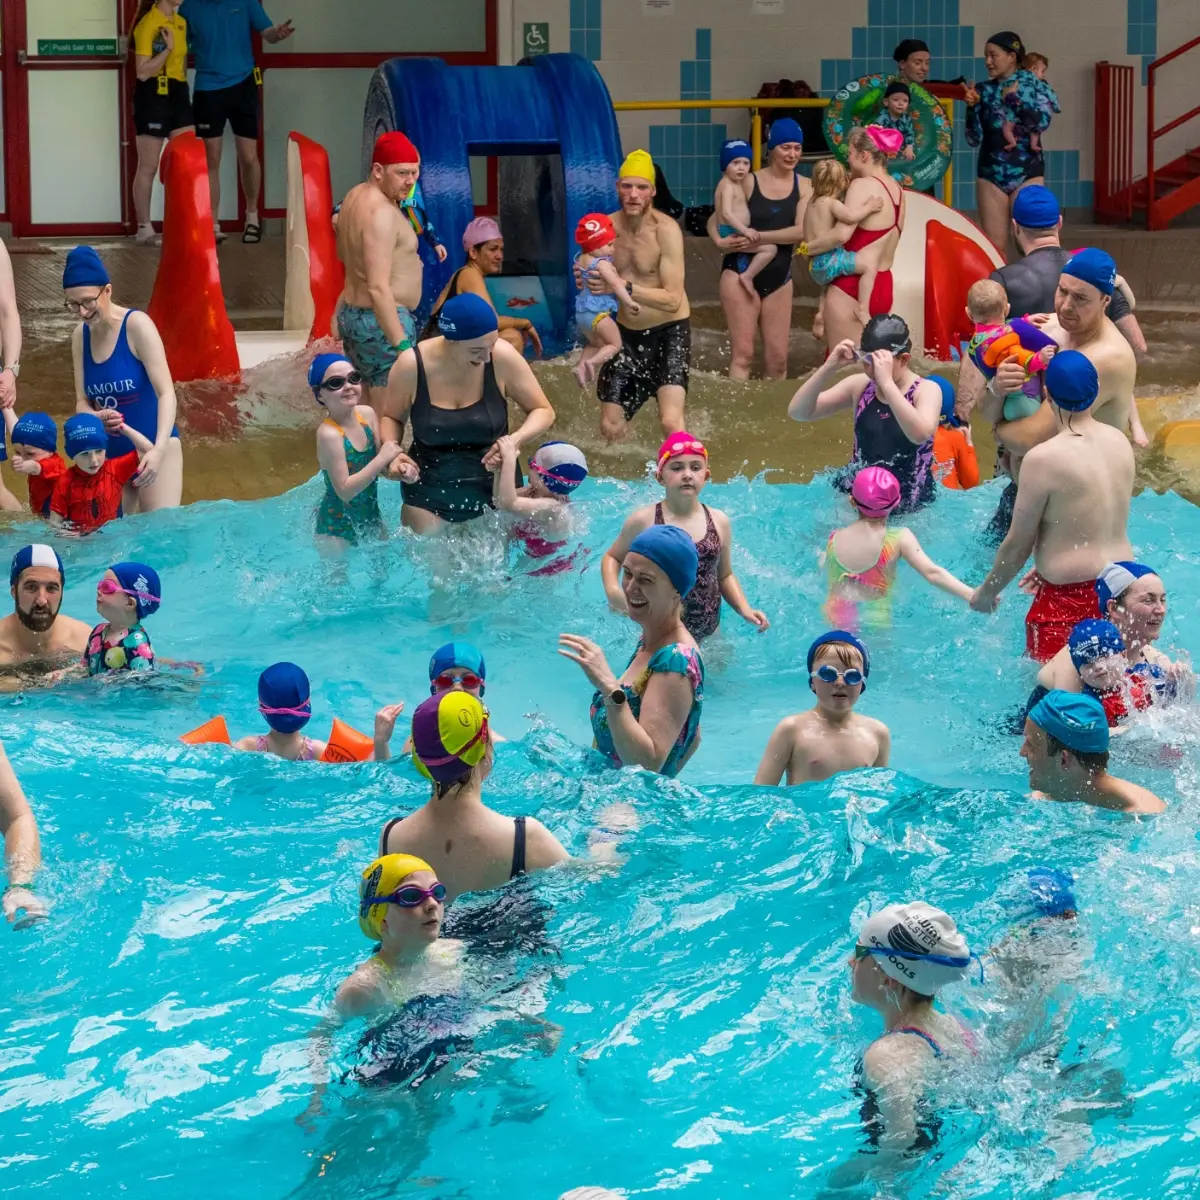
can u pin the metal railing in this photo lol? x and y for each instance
(754, 107)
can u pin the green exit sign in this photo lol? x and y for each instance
(77, 48)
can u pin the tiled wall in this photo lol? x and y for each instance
(711, 49)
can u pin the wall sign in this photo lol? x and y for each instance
(66, 48)
(537, 38)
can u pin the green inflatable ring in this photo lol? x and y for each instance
(858, 103)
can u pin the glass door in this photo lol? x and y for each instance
(71, 127)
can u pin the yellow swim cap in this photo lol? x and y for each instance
(450, 735)
(639, 165)
(382, 878)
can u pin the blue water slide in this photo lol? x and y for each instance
(550, 122)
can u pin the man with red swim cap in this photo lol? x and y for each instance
(377, 243)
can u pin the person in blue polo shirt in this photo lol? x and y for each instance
(226, 90)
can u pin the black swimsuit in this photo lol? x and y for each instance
(518, 855)
(769, 216)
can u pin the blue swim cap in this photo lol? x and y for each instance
(318, 367)
(462, 655)
(143, 582)
(947, 389)
(1052, 891)
(1093, 266)
(1092, 639)
(735, 148)
(285, 697)
(83, 432)
(784, 129)
(1077, 721)
(37, 555)
(840, 635)
(672, 549)
(84, 268)
(1116, 579)
(1071, 381)
(466, 317)
(36, 429)
(1035, 207)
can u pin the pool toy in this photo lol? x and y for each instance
(859, 102)
(213, 732)
(344, 745)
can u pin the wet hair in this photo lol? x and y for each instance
(861, 142)
(986, 299)
(1093, 763)
(845, 653)
(1033, 58)
(443, 787)
(830, 178)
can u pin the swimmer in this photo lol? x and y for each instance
(127, 594)
(22, 851)
(35, 455)
(733, 212)
(865, 592)
(596, 313)
(285, 701)
(475, 848)
(905, 955)
(831, 736)
(36, 641)
(897, 97)
(997, 340)
(350, 506)
(1066, 747)
(828, 219)
(684, 473)
(89, 494)
(954, 461)
(556, 469)
(457, 667)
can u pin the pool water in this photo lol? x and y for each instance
(153, 1034)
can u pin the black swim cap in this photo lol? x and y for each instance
(896, 88)
(908, 48)
(1007, 40)
(886, 332)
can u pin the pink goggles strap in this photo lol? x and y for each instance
(304, 710)
(551, 475)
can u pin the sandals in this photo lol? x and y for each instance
(252, 234)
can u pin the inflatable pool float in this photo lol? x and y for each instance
(860, 102)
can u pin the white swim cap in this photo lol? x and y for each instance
(916, 945)
(561, 467)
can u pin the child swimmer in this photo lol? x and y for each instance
(595, 313)
(733, 212)
(127, 594)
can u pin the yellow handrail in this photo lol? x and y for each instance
(759, 102)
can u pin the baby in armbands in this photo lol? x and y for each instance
(998, 340)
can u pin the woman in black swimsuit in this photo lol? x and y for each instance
(455, 389)
(777, 197)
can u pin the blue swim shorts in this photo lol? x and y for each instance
(831, 265)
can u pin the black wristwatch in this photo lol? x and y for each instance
(629, 288)
(618, 697)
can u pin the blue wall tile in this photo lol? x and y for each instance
(704, 43)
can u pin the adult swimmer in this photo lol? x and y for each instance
(650, 716)
(777, 197)
(22, 850)
(121, 373)
(473, 847)
(869, 176)
(896, 412)
(656, 347)
(1066, 747)
(35, 640)
(455, 389)
(1071, 512)
(483, 244)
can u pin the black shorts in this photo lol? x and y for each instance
(158, 115)
(238, 105)
(649, 359)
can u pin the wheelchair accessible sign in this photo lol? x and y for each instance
(537, 38)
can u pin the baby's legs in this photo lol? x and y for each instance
(608, 273)
(759, 262)
(866, 266)
(818, 326)
(1010, 141)
(604, 342)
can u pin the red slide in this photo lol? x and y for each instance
(188, 305)
(326, 275)
(953, 262)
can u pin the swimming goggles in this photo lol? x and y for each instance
(678, 448)
(445, 681)
(409, 895)
(827, 674)
(335, 383)
(941, 960)
(567, 483)
(110, 587)
(301, 710)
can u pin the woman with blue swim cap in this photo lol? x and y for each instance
(650, 716)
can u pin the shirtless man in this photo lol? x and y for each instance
(35, 640)
(1071, 513)
(378, 246)
(657, 344)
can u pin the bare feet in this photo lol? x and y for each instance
(818, 328)
(580, 371)
(748, 284)
(862, 314)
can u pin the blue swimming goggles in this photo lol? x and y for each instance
(827, 674)
(942, 960)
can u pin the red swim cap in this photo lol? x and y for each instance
(394, 147)
(593, 231)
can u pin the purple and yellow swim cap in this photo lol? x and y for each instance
(450, 735)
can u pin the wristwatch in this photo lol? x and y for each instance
(15, 368)
(618, 697)
(629, 288)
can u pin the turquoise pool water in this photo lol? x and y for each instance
(153, 1035)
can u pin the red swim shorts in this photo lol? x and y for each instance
(881, 297)
(1056, 609)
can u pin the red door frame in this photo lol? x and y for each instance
(16, 122)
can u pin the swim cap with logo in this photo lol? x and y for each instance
(450, 735)
(1077, 721)
(36, 429)
(734, 149)
(916, 945)
(466, 317)
(593, 231)
(382, 878)
(1092, 639)
(84, 432)
(1116, 579)
(143, 583)
(37, 555)
(1052, 891)
(1093, 266)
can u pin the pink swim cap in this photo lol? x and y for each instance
(480, 230)
(876, 491)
